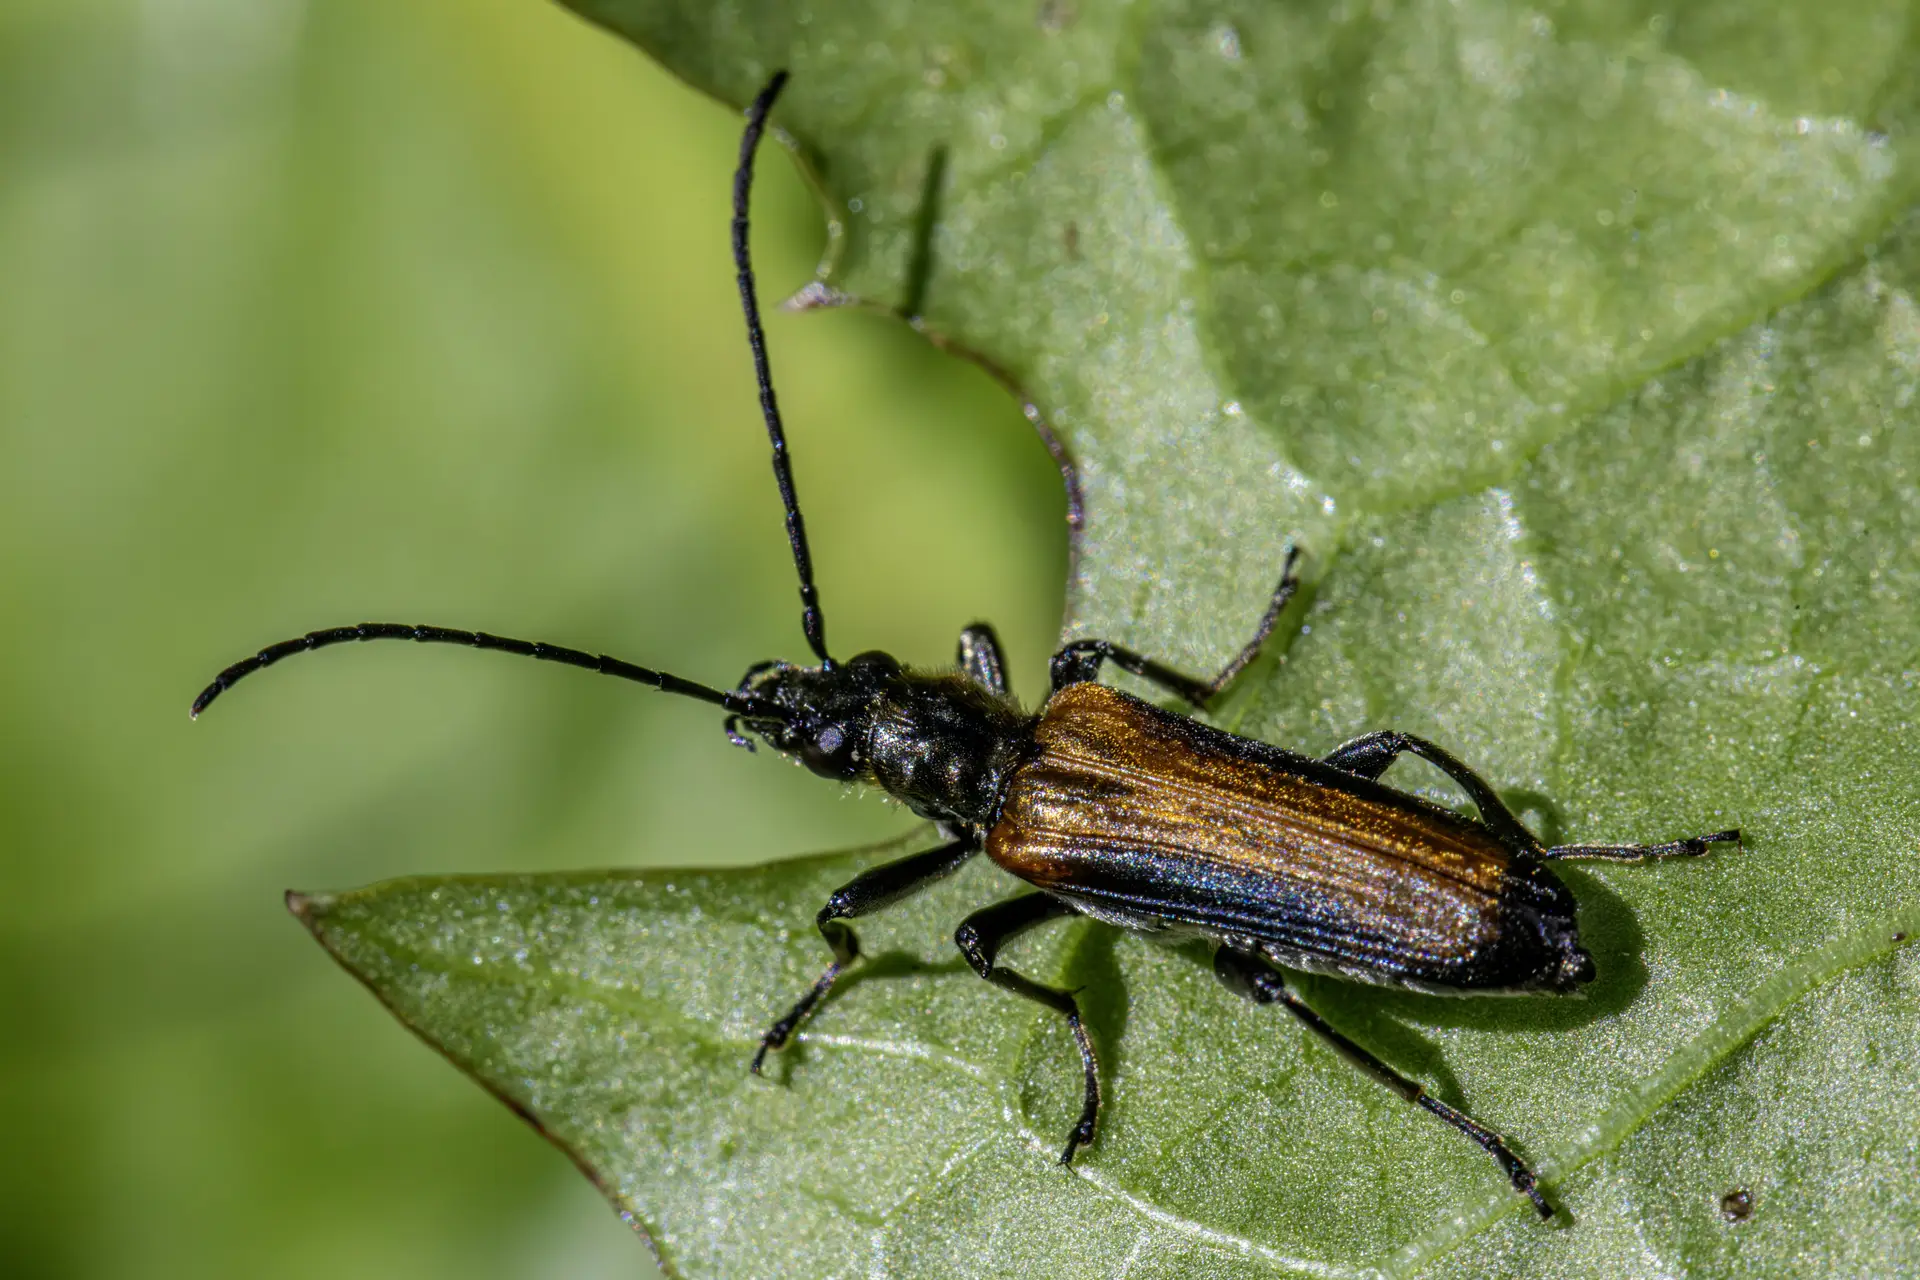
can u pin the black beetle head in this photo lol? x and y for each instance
(820, 716)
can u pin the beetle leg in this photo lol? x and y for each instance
(1692, 847)
(865, 893)
(1369, 755)
(1079, 661)
(979, 937)
(980, 659)
(1254, 978)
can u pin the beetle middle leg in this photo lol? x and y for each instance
(865, 893)
(1079, 661)
(1254, 978)
(979, 938)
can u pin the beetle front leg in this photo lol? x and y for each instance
(1078, 661)
(1369, 755)
(980, 659)
(979, 938)
(865, 893)
(1252, 977)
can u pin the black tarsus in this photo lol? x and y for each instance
(1369, 756)
(1078, 661)
(867, 892)
(1252, 977)
(1692, 847)
(812, 621)
(979, 658)
(979, 938)
(735, 702)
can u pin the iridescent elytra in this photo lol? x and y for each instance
(1115, 809)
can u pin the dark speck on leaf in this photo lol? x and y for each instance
(1737, 1205)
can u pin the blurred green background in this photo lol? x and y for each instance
(320, 312)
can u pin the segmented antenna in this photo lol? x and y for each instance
(812, 621)
(739, 704)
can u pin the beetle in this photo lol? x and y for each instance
(1110, 807)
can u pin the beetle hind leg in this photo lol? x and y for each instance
(1254, 978)
(1369, 756)
(865, 893)
(979, 938)
(1691, 847)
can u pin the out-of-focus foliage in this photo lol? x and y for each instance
(314, 312)
(1579, 348)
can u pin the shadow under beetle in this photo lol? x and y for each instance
(1115, 809)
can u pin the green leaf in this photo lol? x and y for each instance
(1578, 352)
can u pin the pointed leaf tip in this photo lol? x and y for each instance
(305, 906)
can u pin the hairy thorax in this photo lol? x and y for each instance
(946, 747)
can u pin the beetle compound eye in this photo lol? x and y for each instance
(830, 749)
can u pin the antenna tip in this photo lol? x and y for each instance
(763, 101)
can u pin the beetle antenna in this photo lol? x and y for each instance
(738, 703)
(812, 621)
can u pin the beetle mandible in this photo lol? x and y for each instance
(1117, 810)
